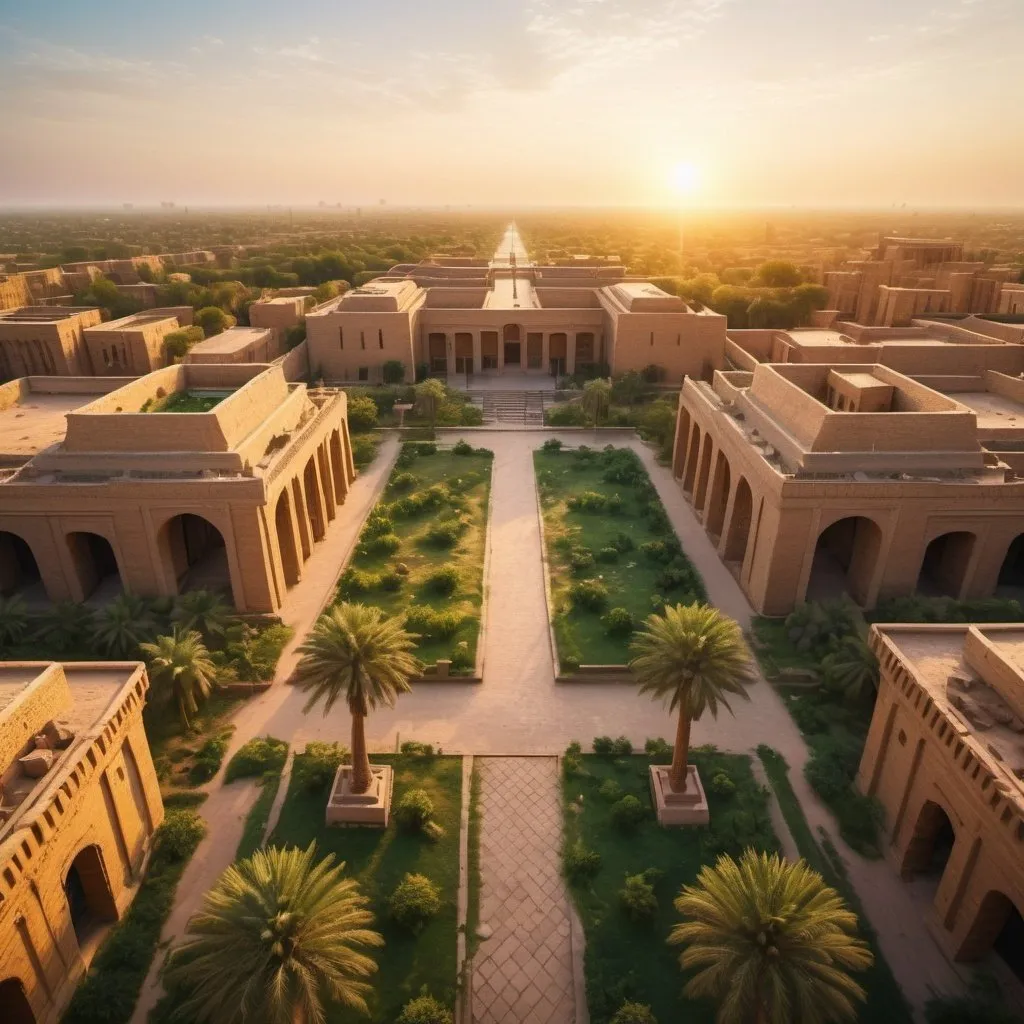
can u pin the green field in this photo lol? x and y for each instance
(625, 516)
(379, 859)
(398, 581)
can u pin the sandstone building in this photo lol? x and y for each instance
(45, 341)
(194, 476)
(130, 346)
(820, 478)
(945, 757)
(80, 805)
(237, 345)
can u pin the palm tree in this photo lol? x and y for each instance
(14, 621)
(357, 653)
(852, 668)
(773, 944)
(692, 656)
(64, 627)
(205, 611)
(181, 669)
(276, 937)
(597, 399)
(123, 624)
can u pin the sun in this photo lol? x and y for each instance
(685, 177)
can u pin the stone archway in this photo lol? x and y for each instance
(338, 467)
(286, 539)
(690, 466)
(701, 486)
(944, 565)
(998, 927)
(931, 845)
(719, 497)
(195, 554)
(314, 500)
(1011, 572)
(95, 565)
(14, 1005)
(19, 571)
(738, 530)
(845, 559)
(87, 890)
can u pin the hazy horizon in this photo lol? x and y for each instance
(527, 104)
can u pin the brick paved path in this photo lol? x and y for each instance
(523, 972)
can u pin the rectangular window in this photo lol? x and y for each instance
(380, 338)
(652, 338)
(341, 337)
(362, 339)
(364, 373)
(679, 340)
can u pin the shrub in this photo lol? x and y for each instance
(655, 551)
(362, 413)
(319, 763)
(471, 416)
(443, 581)
(391, 580)
(421, 448)
(587, 501)
(627, 813)
(385, 544)
(460, 656)
(679, 575)
(570, 414)
(814, 627)
(431, 625)
(609, 790)
(414, 810)
(637, 898)
(579, 862)
(581, 559)
(354, 582)
(445, 535)
(403, 481)
(378, 524)
(207, 761)
(622, 542)
(634, 1013)
(608, 555)
(425, 1009)
(462, 448)
(613, 506)
(622, 746)
(552, 444)
(832, 766)
(617, 622)
(415, 900)
(604, 746)
(257, 757)
(572, 759)
(722, 784)
(364, 450)
(179, 835)
(658, 749)
(589, 595)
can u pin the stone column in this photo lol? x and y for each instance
(570, 352)
(501, 351)
(524, 344)
(449, 350)
(478, 354)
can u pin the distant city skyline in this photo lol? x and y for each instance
(859, 103)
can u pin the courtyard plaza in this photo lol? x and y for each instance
(519, 710)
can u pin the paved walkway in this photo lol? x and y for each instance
(524, 970)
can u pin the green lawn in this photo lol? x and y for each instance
(626, 516)
(627, 961)
(885, 1003)
(464, 483)
(380, 859)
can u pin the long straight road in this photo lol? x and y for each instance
(511, 242)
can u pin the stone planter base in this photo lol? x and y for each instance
(687, 808)
(370, 808)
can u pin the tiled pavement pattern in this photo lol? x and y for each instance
(523, 972)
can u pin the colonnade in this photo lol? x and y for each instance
(480, 350)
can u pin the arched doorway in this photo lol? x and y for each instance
(14, 1004)
(845, 559)
(690, 467)
(720, 486)
(1011, 574)
(87, 889)
(997, 928)
(703, 473)
(286, 539)
(195, 554)
(945, 562)
(738, 533)
(95, 565)
(19, 571)
(511, 341)
(314, 500)
(931, 845)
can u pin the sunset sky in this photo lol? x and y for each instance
(513, 102)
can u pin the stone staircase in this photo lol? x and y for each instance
(515, 408)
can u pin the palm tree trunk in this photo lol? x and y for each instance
(360, 758)
(680, 754)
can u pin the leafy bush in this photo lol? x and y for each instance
(385, 544)
(319, 764)
(658, 748)
(421, 448)
(572, 759)
(622, 746)
(609, 790)
(608, 555)
(208, 759)
(425, 1009)
(637, 898)
(362, 413)
(613, 506)
(179, 835)
(378, 524)
(655, 551)
(445, 535)
(471, 416)
(581, 559)
(431, 625)
(391, 580)
(413, 748)
(814, 627)
(364, 450)
(443, 581)
(634, 1013)
(587, 501)
(354, 582)
(462, 448)
(414, 810)
(257, 757)
(571, 414)
(604, 746)
(722, 784)
(617, 622)
(589, 595)
(627, 813)
(552, 444)
(579, 863)
(414, 901)
(832, 766)
(405, 481)
(622, 542)
(680, 575)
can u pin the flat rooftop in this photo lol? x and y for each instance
(500, 295)
(43, 314)
(134, 320)
(230, 341)
(993, 411)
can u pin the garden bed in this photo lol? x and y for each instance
(629, 959)
(379, 859)
(423, 548)
(612, 555)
